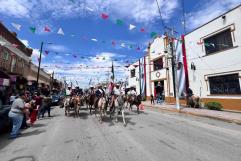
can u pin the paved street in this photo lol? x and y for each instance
(150, 136)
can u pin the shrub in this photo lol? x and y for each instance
(214, 106)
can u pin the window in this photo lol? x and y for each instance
(13, 64)
(225, 84)
(133, 73)
(218, 42)
(5, 56)
(158, 64)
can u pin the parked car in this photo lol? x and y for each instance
(55, 99)
(5, 122)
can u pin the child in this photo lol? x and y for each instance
(152, 99)
(34, 112)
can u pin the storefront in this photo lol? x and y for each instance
(4, 88)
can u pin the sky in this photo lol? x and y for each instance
(92, 37)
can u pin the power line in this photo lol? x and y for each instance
(159, 9)
(184, 18)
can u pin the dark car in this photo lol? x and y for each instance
(5, 123)
(55, 99)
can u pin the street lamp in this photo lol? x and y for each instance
(40, 57)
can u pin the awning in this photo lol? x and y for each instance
(4, 79)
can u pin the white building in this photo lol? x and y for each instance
(133, 77)
(214, 60)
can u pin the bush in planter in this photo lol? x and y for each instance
(214, 106)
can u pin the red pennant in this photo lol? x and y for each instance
(47, 29)
(104, 16)
(142, 30)
(138, 49)
(46, 52)
(200, 43)
(113, 43)
(75, 56)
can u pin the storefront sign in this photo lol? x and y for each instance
(4, 82)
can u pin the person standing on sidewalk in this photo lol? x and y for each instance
(16, 115)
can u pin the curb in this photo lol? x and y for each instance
(195, 114)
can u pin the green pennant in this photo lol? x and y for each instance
(119, 22)
(130, 46)
(153, 34)
(32, 29)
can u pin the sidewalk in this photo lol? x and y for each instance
(219, 115)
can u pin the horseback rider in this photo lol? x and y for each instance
(99, 93)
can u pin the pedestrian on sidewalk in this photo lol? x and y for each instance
(152, 99)
(16, 115)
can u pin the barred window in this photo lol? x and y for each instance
(133, 73)
(225, 84)
(158, 64)
(218, 42)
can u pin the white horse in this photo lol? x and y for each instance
(101, 107)
(119, 106)
(67, 105)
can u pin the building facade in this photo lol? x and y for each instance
(214, 60)
(16, 70)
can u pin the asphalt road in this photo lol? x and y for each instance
(150, 136)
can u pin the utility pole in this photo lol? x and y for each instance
(174, 69)
(39, 62)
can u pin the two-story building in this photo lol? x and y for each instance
(14, 62)
(214, 60)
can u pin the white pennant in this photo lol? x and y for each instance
(94, 40)
(123, 45)
(16, 26)
(132, 27)
(61, 32)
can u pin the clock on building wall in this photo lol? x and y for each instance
(158, 74)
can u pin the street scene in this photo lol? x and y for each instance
(84, 80)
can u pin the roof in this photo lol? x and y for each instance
(214, 19)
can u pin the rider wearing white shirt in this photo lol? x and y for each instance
(117, 91)
(133, 92)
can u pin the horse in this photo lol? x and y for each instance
(71, 102)
(119, 106)
(193, 101)
(134, 100)
(101, 105)
(67, 105)
(90, 101)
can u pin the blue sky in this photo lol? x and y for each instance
(81, 23)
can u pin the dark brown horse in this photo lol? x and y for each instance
(90, 101)
(134, 100)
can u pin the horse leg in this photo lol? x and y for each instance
(116, 114)
(138, 110)
(123, 116)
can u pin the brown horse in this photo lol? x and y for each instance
(71, 103)
(134, 100)
(193, 101)
(90, 101)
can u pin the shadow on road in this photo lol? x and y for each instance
(35, 132)
(38, 125)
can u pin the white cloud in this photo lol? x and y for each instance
(82, 72)
(36, 54)
(208, 11)
(16, 8)
(57, 48)
(25, 42)
(137, 10)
